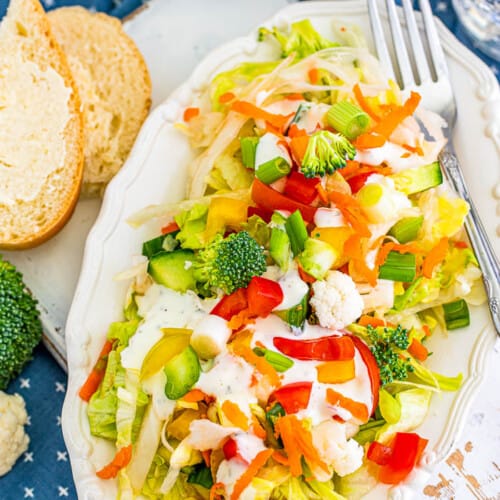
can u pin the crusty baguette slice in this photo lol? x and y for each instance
(114, 86)
(41, 141)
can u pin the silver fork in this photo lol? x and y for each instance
(437, 95)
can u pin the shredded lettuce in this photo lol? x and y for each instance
(356, 485)
(192, 224)
(302, 40)
(299, 489)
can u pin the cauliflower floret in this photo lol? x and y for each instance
(13, 440)
(336, 300)
(341, 454)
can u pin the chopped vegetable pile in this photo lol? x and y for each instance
(278, 324)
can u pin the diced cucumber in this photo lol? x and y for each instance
(279, 248)
(415, 180)
(173, 269)
(157, 245)
(407, 229)
(182, 371)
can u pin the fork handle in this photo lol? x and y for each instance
(477, 236)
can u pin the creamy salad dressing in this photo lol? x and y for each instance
(160, 307)
(293, 289)
(268, 149)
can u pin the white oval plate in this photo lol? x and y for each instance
(156, 173)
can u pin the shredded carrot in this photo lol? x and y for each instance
(401, 248)
(368, 140)
(122, 459)
(260, 363)
(298, 146)
(356, 409)
(313, 75)
(226, 97)
(255, 465)
(280, 458)
(239, 320)
(257, 428)
(252, 111)
(206, 456)
(294, 131)
(363, 103)
(427, 330)
(217, 491)
(323, 195)
(353, 248)
(297, 441)
(95, 377)
(387, 126)
(235, 415)
(170, 228)
(190, 113)
(351, 210)
(294, 97)
(418, 350)
(194, 396)
(414, 149)
(435, 256)
(366, 320)
(351, 168)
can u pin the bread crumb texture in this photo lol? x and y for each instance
(114, 86)
(41, 146)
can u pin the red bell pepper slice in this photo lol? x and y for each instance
(263, 296)
(261, 212)
(300, 188)
(269, 199)
(372, 367)
(358, 181)
(293, 397)
(407, 449)
(332, 348)
(379, 453)
(230, 450)
(231, 305)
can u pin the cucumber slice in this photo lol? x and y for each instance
(173, 269)
(415, 180)
(182, 371)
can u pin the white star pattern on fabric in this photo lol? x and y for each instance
(494, 69)
(441, 6)
(63, 492)
(25, 383)
(28, 420)
(48, 3)
(60, 387)
(62, 456)
(28, 456)
(58, 420)
(29, 492)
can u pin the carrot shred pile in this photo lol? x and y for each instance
(353, 248)
(351, 210)
(122, 459)
(297, 441)
(357, 410)
(252, 111)
(363, 103)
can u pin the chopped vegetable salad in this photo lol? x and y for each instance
(274, 339)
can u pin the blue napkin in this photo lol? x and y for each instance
(43, 472)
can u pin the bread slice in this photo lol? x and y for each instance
(114, 86)
(41, 142)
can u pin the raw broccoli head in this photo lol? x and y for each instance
(20, 326)
(229, 263)
(325, 153)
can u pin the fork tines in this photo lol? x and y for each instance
(402, 55)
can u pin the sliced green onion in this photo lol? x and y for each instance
(279, 362)
(456, 314)
(272, 170)
(296, 315)
(274, 413)
(407, 229)
(297, 232)
(153, 246)
(398, 267)
(301, 110)
(279, 247)
(348, 119)
(201, 475)
(248, 148)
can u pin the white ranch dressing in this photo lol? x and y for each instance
(268, 149)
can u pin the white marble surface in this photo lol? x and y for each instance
(184, 32)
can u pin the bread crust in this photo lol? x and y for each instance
(30, 15)
(114, 84)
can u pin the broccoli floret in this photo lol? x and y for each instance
(20, 326)
(386, 346)
(303, 39)
(325, 153)
(229, 263)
